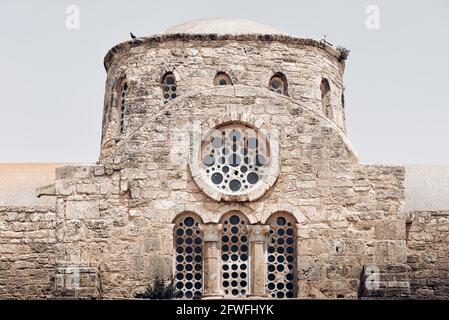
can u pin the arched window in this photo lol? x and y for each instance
(222, 79)
(234, 255)
(169, 88)
(325, 98)
(282, 256)
(278, 84)
(188, 256)
(123, 92)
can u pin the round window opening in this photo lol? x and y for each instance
(235, 159)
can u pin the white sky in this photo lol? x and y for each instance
(52, 79)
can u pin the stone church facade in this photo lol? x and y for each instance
(225, 166)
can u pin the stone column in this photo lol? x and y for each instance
(211, 238)
(258, 251)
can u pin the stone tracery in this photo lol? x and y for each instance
(235, 158)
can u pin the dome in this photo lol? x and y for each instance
(222, 26)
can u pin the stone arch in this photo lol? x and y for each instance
(280, 78)
(204, 215)
(227, 72)
(181, 101)
(233, 117)
(284, 207)
(222, 79)
(237, 207)
(166, 69)
(180, 215)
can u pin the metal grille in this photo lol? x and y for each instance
(278, 85)
(235, 158)
(222, 79)
(189, 257)
(281, 257)
(124, 92)
(234, 256)
(169, 87)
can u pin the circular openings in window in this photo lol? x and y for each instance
(124, 92)
(234, 158)
(222, 79)
(281, 257)
(278, 84)
(188, 257)
(169, 89)
(234, 256)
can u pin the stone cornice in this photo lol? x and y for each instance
(214, 37)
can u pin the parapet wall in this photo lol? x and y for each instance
(27, 238)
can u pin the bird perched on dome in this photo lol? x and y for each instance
(323, 39)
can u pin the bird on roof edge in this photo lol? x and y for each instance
(132, 36)
(323, 39)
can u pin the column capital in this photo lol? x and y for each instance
(258, 232)
(211, 231)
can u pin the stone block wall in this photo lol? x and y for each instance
(428, 254)
(77, 281)
(119, 214)
(27, 238)
(363, 227)
(100, 225)
(249, 61)
(385, 282)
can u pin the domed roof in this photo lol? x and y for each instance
(222, 26)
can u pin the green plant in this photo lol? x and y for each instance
(344, 53)
(159, 290)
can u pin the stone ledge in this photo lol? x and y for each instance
(286, 39)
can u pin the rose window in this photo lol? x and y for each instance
(235, 158)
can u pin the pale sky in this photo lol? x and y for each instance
(52, 79)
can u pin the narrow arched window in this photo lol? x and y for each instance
(325, 98)
(123, 92)
(234, 255)
(222, 79)
(281, 273)
(169, 89)
(278, 84)
(188, 256)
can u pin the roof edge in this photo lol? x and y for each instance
(215, 37)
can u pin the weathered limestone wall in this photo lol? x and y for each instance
(428, 255)
(363, 226)
(119, 214)
(248, 61)
(127, 231)
(99, 224)
(27, 238)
